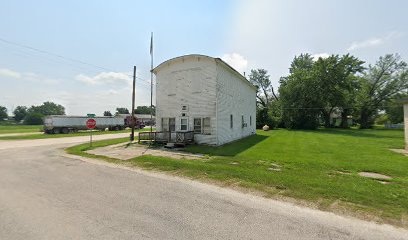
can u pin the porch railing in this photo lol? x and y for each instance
(167, 137)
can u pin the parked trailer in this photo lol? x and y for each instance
(66, 124)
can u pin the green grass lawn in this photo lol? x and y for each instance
(80, 149)
(318, 167)
(81, 133)
(4, 129)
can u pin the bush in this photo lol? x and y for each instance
(34, 119)
(382, 119)
(263, 118)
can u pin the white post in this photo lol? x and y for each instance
(406, 124)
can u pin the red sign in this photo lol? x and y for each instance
(91, 123)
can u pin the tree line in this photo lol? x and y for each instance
(138, 110)
(316, 90)
(34, 115)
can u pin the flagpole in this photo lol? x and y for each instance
(151, 83)
(132, 135)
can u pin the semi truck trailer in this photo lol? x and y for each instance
(66, 124)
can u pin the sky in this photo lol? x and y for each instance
(81, 53)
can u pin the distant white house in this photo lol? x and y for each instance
(207, 96)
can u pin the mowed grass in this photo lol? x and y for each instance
(319, 167)
(80, 133)
(4, 129)
(82, 148)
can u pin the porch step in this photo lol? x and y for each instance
(169, 145)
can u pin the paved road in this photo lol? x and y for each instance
(7, 144)
(19, 134)
(44, 195)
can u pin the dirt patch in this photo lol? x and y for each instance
(384, 182)
(343, 172)
(401, 151)
(274, 169)
(126, 152)
(374, 175)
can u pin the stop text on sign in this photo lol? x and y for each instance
(91, 123)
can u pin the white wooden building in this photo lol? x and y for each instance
(205, 95)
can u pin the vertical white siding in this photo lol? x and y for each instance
(208, 88)
(188, 81)
(237, 98)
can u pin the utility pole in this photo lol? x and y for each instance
(151, 84)
(132, 136)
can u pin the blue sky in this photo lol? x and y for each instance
(116, 35)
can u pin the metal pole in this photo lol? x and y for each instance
(132, 136)
(151, 83)
(90, 140)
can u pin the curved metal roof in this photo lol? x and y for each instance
(219, 60)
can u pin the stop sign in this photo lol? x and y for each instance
(91, 123)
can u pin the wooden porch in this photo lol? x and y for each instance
(167, 137)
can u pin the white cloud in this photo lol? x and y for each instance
(320, 55)
(373, 42)
(4, 72)
(236, 61)
(112, 91)
(27, 76)
(105, 78)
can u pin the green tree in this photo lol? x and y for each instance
(265, 97)
(3, 113)
(107, 114)
(48, 108)
(275, 114)
(299, 96)
(19, 113)
(394, 109)
(34, 118)
(122, 111)
(336, 81)
(145, 110)
(265, 93)
(382, 81)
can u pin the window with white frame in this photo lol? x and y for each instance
(197, 125)
(165, 124)
(207, 125)
(172, 124)
(183, 124)
(202, 125)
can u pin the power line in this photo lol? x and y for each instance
(63, 57)
(320, 108)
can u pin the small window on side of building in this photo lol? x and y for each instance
(197, 125)
(165, 124)
(172, 124)
(183, 124)
(250, 120)
(231, 121)
(207, 126)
